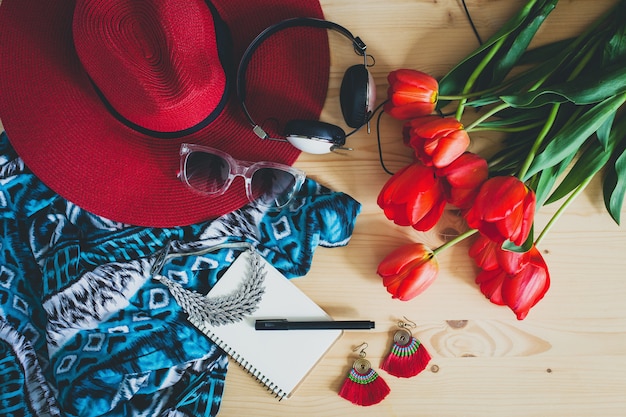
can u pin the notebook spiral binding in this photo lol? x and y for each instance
(245, 365)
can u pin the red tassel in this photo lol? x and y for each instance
(405, 361)
(364, 386)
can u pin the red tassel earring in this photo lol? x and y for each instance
(363, 386)
(408, 357)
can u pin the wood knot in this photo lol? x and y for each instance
(448, 233)
(457, 324)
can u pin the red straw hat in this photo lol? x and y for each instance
(96, 96)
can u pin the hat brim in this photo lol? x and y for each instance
(65, 135)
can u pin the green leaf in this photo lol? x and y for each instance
(589, 163)
(515, 147)
(615, 48)
(545, 52)
(526, 79)
(583, 90)
(571, 137)
(515, 47)
(543, 183)
(548, 178)
(604, 132)
(454, 81)
(528, 243)
(593, 159)
(615, 187)
(509, 118)
(512, 86)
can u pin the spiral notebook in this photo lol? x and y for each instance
(278, 359)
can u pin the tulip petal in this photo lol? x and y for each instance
(414, 181)
(490, 284)
(408, 270)
(418, 280)
(483, 251)
(431, 218)
(411, 76)
(392, 288)
(450, 148)
(501, 195)
(503, 210)
(410, 94)
(461, 197)
(423, 203)
(438, 126)
(402, 257)
(423, 178)
(467, 171)
(386, 193)
(491, 231)
(397, 213)
(409, 111)
(528, 217)
(509, 226)
(393, 280)
(523, 290)
(403, 94)
(512, 262)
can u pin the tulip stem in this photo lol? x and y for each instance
(512, 129)
(538, 141)
(454, 241)
(454, 98)
(475, 74)
(486, 116)
(562, 209)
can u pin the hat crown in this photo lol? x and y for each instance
(155, 63)
(75, 64)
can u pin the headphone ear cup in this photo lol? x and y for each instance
(354, 95)
(315, 129)
(313, 136)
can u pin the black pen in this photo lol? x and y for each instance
(284, 324)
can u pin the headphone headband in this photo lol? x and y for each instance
(359, 48)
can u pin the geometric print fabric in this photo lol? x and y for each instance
(85, 330)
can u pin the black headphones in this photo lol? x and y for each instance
(357, 94)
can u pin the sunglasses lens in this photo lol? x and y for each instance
(207, 172)
(273, 187)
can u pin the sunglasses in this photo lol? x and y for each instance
(211, 172)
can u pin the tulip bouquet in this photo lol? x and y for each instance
(558, 107)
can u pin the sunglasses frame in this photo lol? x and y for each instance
(238, 168)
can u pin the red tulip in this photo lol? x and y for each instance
(489, 255)
(503, 209)
(411, 94)
(490, 284)
(437, 140)
(413, 196)
(462, 179)
(519, 291)
(524, 289)
(408, 271)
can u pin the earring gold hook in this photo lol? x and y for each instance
(362, 346)
(407, 323)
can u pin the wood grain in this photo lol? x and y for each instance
(568, 358)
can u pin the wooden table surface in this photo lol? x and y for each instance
(567, 358)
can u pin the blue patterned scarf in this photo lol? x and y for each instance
(86, 331)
